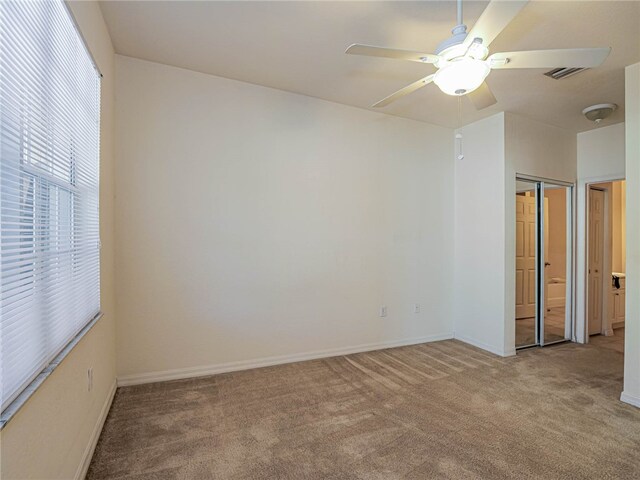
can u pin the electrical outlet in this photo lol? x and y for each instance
(416, 308)
(90, 379)
(383, 311)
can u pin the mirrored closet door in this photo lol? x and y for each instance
(543, 262)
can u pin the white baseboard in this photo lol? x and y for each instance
(201, 371)
(630, 399)
(95, 435)
(485, 346)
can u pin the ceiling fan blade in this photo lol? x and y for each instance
(493, 20)
(404, 91)
(482, 97)
(570, 58)
(371, 51)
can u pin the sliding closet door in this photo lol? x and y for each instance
(543, 250)
(527, 325)
(556, 250)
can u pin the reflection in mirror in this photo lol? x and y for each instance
(526, 218)
(556, 201)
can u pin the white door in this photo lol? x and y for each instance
(525, 256)
(596, 253)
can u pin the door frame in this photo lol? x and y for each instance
(583, 290)
(570, 311)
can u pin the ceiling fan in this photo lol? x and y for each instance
(463, 60)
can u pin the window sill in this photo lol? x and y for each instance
(9, 412)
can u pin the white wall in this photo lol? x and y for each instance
(601, 153)
(601, 157)
(480, 235)
(631, 392)
(496, 150)
(537, 149)
(52, 436)
(259, 226)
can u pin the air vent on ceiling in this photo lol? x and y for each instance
(564, 72)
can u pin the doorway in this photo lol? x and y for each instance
(606, 258)
(543, 252)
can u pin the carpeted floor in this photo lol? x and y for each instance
(438, 410)
(614, 342)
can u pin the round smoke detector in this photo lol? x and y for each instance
(597, 113)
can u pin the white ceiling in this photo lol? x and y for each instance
(298, 47)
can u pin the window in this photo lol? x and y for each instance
(49, 166)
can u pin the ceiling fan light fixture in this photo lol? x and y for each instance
(461, 76)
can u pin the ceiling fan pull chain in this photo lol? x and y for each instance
(459, 141)
(459, 135)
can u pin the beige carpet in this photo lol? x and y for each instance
(439, 410)
(614, 342)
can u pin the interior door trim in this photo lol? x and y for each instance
(551, 181)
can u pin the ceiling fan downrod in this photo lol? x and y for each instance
(459, 33)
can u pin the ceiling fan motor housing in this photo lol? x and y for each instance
(446, 48)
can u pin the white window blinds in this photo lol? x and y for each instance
(49, 165)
